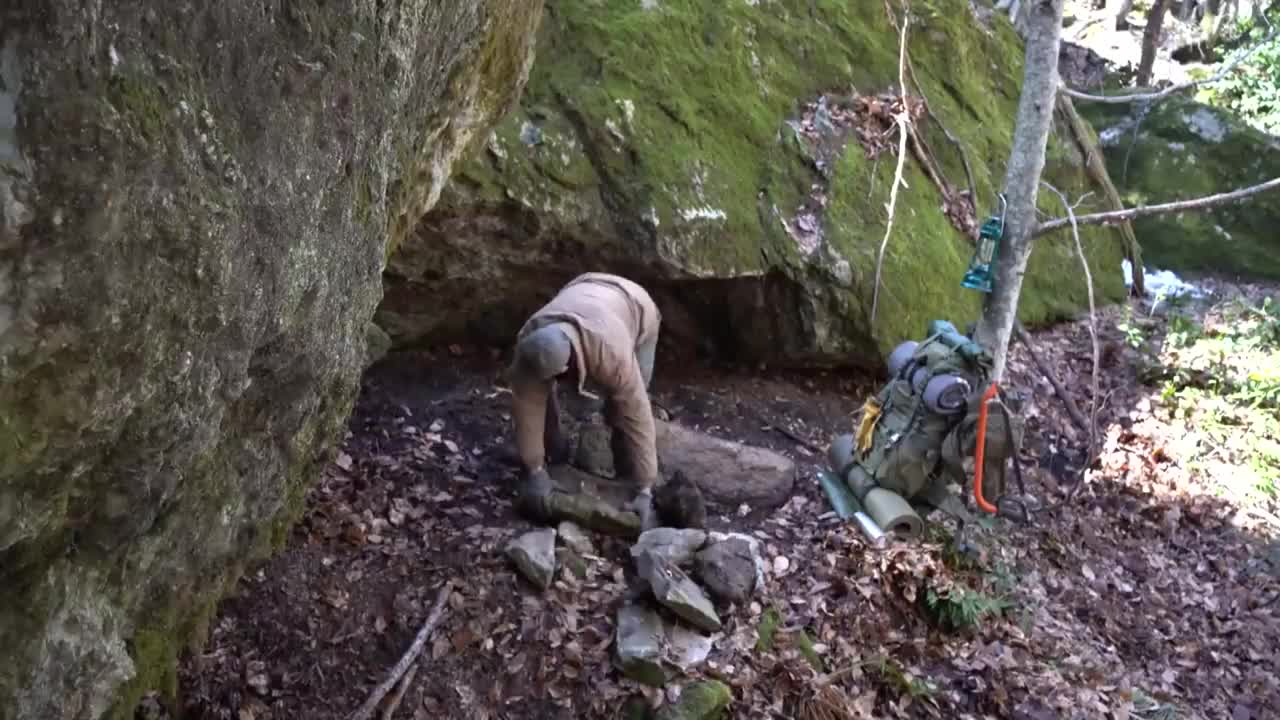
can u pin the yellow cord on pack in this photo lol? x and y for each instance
(867, 426)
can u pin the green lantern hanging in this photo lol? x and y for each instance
(978, 276)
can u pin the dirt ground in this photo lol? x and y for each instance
(1144, 596)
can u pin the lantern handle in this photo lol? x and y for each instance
(1004, 209)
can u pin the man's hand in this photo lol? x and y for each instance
(533, 496)
(643, 506)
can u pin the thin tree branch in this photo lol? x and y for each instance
(410, 656)
(1118, 216)
(1093, 317)
(1172, 89)
(903, 119)
(1073, 411)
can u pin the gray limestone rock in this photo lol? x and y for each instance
(638, 644)
(677, 546)
(534, 554)
(726, 472)
(678, 592)
(731, 568)
(575, 538)
(196, 204)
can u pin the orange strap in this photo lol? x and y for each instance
(980, 450)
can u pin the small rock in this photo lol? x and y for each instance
(781, 565)
(534, 553)
(638, 644)
(678, 592)
(575, 538)
(702, 700)
(256, 677)
(674, 545)
(731, 569)
(686, 649)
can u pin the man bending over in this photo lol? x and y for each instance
(600, 328)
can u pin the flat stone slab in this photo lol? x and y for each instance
(678, 592)
(728, 473)
(638, 644)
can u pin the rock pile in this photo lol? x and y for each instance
(662, 627)
(668, 624)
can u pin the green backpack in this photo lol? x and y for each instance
(917, 431)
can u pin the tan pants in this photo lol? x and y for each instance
(557, 445)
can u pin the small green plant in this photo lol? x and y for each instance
(1252, 88)
(1134, 335)
(1224, 383)
(959, 608)
(901, 682)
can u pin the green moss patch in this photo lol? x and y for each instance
(1182, 150)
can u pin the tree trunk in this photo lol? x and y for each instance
(1022, 176)
(1150, 41)
(1122, 15)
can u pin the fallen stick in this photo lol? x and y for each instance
(1077, 417)
(398, 697)
(411, 655)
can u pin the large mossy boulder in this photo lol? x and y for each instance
(196, 202)
(1179, 149)
(662, 140)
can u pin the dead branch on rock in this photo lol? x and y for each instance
(903, 120)
(1073, 411)
(1172, 89)
(409, 658)
(1083, 136)
(1093, 316)
(1118, 216)
(955, 142)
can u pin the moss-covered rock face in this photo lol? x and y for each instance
(1182, 150)
(658, 140)
(196, 201)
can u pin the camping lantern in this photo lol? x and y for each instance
(978, 276)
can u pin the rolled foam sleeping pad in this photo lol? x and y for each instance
(900, 356)
(893, 514)
(840, 454)
(946, 394)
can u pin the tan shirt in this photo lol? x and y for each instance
(612, 316)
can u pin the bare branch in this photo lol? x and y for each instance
(1118, 216)
(1093, 317)
(903, 119)
(1073, 410)
(1172, 89)
(410, 657)
(955, 142)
